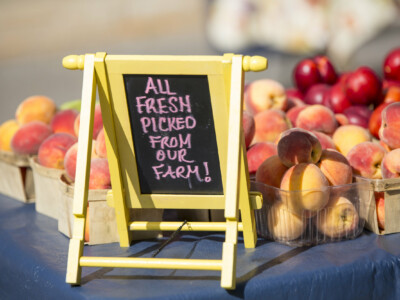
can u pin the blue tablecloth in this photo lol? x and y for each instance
(33, 258)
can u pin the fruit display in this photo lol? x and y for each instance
(332, 128)
(42, 129)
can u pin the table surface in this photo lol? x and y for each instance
(33, 258)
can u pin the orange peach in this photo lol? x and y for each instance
(249, 127)
(366, 158)
(264, 94)
(293, 113)
(97, 122)
(306, 188)
(99, 178)
(335, 167)
(317, 117)
(63, 121)
(269, 124)
(271, 171)
(35, 108)
(283, 224)
(389, 131)
(27, 139)
(338, 219)
(391, 164)
(297, 145)
(100, 147)
(347, 136)
(257, 153)
(53, 149)
(380, 209)
(325, 140)
(341, 119)
(71, 157)
(7, 131)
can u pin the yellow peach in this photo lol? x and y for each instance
(347, 136)
(7, 131)
(35, 108)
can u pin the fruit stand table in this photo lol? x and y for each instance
(33, 259)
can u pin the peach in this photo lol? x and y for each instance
(100, 147)
(269, 124)
(293, 113)
(71, 157)
(366, 158)
(264, 94)
(306, 188)
(249, 127)
(35, 108)
(271, 171)
(27, 139)
(257, 153)
(293, 102)
(53, 149)
(325, 140)
(380, 209)
(317, 117)
(7, 131)
(283, 224)
(97, 122)
(389, 131)
(341, 119)
(99, 178)
(338, 219)
(335, 167)
(347, 136)
(297, 145)
(63, 121)
(391, 164)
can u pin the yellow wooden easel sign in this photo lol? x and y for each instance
(174, 141)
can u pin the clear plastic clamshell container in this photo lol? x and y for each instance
(311, 217)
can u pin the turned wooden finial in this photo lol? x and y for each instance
(254, 63)
(74, 62)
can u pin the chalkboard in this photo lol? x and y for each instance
(173, 134)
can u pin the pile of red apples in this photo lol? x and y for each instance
(41, 129)
(326, 129)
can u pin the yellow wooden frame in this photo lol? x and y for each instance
(225, 77)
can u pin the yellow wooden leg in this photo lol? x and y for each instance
(228, 272)
(74, 270)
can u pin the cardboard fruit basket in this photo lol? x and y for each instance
(390, 189)
(278, 221)
(101, 217)
(46, 188)
(16, 177)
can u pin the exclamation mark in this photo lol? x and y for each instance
(207, 178)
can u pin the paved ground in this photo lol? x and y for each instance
(36, 35)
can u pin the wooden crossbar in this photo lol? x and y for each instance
(172, 226)
(151, 263)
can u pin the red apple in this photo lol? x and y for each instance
(316, 94)
(336, 99)
(358, 115)
(391, 65)
(363, 87)
(306, 74)
(326, 69)
(375, 120)
(389, 83)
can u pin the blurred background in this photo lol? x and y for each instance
(36, 35)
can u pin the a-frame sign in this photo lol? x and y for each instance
(174, 141)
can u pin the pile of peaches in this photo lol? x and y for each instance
(42, 129)
(326, 130)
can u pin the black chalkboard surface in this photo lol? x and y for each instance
(173, 134)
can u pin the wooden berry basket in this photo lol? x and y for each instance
(391, 191)
(16, 177)
(101, 218)
(46, 187)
